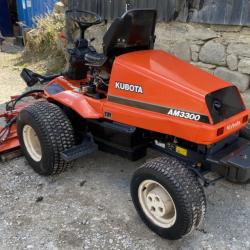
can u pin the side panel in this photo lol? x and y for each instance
(84, 106)
(153, 89)
(164, 80)
(197, 132)
(156, 91)
(67, 93)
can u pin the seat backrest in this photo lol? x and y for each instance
(135, 30)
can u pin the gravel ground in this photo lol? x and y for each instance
(89, 206)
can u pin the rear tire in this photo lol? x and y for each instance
(168, 197)
(44, 132)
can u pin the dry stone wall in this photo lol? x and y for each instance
(220, 50)
(223, 51)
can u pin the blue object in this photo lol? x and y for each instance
(5, 20)
(29, 9)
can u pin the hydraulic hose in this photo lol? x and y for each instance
(5, 131)
(25, 95)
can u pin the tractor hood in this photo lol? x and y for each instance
(160, 79)
(171, 70)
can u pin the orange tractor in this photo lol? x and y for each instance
(128, 99)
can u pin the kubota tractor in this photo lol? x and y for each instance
(126, 100)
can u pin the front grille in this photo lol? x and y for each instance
(224, 103)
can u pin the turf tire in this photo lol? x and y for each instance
(184, 188)
(55, 134)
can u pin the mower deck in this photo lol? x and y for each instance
(9, 147)
(11, 141)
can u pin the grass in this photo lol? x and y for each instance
(44, 45)
(45, 48)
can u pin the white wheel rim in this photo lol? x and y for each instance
(157, 203)
(32, 143)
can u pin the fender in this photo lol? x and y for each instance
(75, 101)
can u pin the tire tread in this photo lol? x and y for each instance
(57, 131)
(188, 190)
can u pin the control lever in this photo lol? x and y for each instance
(31, 78)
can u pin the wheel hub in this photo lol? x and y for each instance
(157, 203)
(32, 143)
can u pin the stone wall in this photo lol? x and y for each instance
(220, 50)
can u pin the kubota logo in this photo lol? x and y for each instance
(233, 125)
(129, 87)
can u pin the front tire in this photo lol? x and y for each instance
(44, 132)
(168, 197)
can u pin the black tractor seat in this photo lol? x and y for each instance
(94, 58)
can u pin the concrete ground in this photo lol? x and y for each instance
(89, 206)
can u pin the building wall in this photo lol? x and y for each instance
(222, 50)
(236, 12)
(29, 9)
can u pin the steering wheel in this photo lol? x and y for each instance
(84, 18)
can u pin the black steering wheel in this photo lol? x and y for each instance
(84, 18)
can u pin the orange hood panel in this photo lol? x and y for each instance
(165, 80)
(171, 69)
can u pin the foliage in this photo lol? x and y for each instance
(45, 42)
